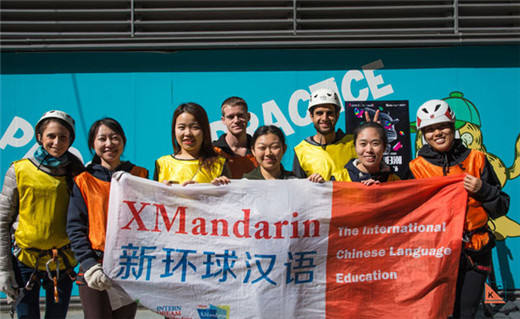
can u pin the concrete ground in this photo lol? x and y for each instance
(142, 313)
(75, 311)
(78, 314)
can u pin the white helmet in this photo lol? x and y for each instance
(324, 96)
(433, 112)
(69, 121)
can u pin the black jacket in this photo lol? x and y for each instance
(257, 174)
(358, 176)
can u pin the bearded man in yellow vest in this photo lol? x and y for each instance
(328, 150)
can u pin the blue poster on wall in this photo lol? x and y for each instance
(141, 91)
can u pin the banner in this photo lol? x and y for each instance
(288, 248)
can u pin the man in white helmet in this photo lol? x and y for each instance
(446, 155)
(328, 150)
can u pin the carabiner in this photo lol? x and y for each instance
(54, 279)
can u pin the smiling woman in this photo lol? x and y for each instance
(87, 221)
(268, 146)
(36, 195)
(194, 159)
(445, 155)
(109, 146)
(370, 142)
(55, 139)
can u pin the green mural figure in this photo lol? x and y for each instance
(467, 128)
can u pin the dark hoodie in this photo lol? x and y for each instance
(257, 174)
(357, 175)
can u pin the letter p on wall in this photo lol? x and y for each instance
(9, 137)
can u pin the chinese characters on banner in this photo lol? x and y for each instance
(287, 249)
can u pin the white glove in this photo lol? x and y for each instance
(8, 285)
(96, 278)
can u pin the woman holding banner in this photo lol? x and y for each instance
(36, 195)
(268, 146)
(87, 221)
(194, 159)
(444, 155)
(370, 142)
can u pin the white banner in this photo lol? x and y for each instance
(250, 249)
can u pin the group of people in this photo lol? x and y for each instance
(53, 211)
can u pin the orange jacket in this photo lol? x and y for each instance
(88, 210)
(488, 200)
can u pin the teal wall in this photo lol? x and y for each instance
(141, 90)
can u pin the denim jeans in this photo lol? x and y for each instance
(29, 307)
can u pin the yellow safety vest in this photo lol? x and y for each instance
(177, 170)
(327, 159)
(43, 204)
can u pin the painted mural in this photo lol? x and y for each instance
(141, 90)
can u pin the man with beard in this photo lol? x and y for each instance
(235, 144)
(328, 150)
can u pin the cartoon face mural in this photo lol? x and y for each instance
(467, 128)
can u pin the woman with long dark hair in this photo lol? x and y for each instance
(194, 159)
